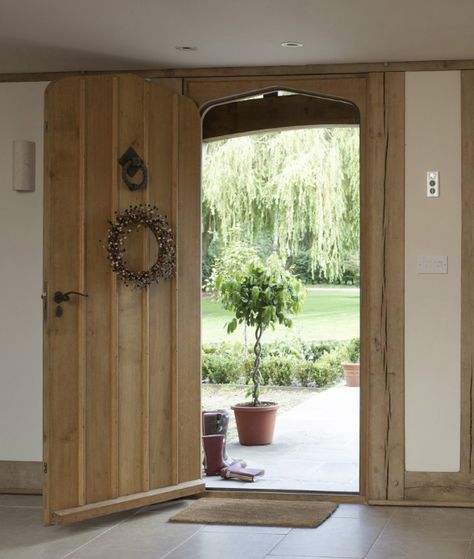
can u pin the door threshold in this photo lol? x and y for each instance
(283, 495)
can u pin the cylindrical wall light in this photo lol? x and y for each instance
(24, 166)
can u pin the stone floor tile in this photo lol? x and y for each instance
(142, 537)
(337, 537)
(218, 545)
(23, 536)
(346, 510)
(430, 522)
(246, 529)
(420, 548)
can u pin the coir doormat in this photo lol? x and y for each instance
(256, 512)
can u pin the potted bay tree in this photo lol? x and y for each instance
(260, 295)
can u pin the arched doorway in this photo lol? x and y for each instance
(330, 467)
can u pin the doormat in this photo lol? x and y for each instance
(256, 512)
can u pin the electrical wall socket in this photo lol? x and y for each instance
(432, 184)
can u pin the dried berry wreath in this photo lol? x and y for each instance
(137, 217)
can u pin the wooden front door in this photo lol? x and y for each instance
(122, 365)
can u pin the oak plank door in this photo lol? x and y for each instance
(122, 366)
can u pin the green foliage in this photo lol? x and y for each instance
(288, 192)
(221, 368)
(325, 371)
(278, 370)
(352, 351)
(304, 269)
(315, 350)
(229, 265)
(259, 294)
(284, 363)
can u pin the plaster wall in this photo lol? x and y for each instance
(21, 257)
(433, 301)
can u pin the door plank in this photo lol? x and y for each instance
(100, 392)
(161, 179)
(62, 172)
(189, 292)
(130, 319)
(128, 502)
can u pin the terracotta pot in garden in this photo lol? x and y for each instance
(351, 373)
(255, 424)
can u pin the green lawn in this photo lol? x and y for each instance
(327, 314)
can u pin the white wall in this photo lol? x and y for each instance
(432, 312)
(21, 219)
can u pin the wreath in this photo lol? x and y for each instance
(138, 217)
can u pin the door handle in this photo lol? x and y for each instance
(60, 297)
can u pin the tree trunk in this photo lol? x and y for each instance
(257, 348)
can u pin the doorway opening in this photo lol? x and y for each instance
(281, 187)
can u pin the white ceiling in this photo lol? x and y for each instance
(60, 35)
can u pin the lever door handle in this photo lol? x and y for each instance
(60, 297)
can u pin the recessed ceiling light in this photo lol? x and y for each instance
(292, 44)
(185, 47)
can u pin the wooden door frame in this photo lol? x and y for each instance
(380, 98)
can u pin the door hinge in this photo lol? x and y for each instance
(44, 297)
(45, 125)
(45, 467)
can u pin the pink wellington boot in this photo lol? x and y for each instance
(213, 454)
(216, 422)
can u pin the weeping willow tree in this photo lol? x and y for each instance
(297, 189)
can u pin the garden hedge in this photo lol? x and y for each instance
(284, 363)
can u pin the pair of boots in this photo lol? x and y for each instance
(214, 432)
(215, 464)
(216, 461)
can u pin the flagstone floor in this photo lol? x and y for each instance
(352, 532)
(316, 447)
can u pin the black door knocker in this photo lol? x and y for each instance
(131, 163)
(60, 297)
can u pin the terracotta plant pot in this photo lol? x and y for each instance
(351, 373)
(255, 425)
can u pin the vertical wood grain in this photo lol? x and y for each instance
(47, 307)
(130, 317)
(467, 271)
(375, 304)
(394, 224)
(189, 292)
(385, 277)
(174, 295)
(82, 310)
(145, 310)
(161, 173)
(62, 247)
(113, 314)
(100, 362)
(363, 318)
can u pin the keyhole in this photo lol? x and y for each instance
(59, 311)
